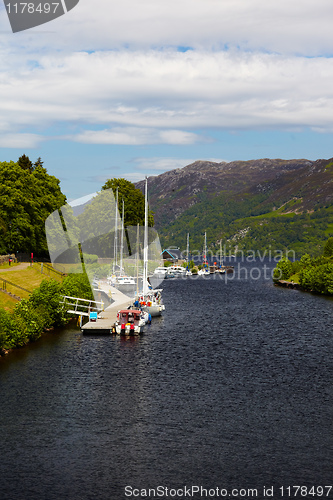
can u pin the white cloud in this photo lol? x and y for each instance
(135, 136)
(264, 78)
(159, 164)
(159, 97)
(302, 27)
(20, 140)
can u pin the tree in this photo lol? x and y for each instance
(38, 162)
(26, 200)
(25, 163)
(134, 202)
(283, 269)
(328, 248)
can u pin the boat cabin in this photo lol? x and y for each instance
(129, 322)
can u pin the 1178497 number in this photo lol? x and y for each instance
(31, 8)
(305, 491)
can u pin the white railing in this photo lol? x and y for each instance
(82, 307)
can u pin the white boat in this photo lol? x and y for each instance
(205, 270)
(176, 271)
(151, 302)
(221, 269)
(126, 284)
(129, 322)
(188, 272)
(160, 272)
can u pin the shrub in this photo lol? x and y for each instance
(47, 300)
(77, 285)
(283, 269)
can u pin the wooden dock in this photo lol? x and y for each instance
(107, 318)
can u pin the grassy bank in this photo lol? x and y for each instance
(24, 321)
(27, 279)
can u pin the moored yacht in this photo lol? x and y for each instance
(151, 302)
(177, 271)
(161, 272)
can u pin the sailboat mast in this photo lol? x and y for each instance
(188, 246)
(137, 258)
(145, 248)
(205, 249)
(116, 232)
(122, 241)
(221, 252)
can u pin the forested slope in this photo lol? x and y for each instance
(259, 204)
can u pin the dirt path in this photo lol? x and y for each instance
(21, 266)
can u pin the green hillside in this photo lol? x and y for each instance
(256, 205)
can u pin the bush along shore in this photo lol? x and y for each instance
(41, 312)
(314, 274)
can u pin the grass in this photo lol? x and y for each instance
(268, 215)
(294, 278)
(7, 302)
(29, 278)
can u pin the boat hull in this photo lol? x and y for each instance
(126, 288)
(154, 310)
(127, 331)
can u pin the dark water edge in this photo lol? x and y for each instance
(231, 388)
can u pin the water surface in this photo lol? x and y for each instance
(231, 388)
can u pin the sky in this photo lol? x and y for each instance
(138, 88)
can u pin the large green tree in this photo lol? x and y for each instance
(134, 202)
(27, 197)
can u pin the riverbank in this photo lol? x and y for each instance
(40, 312)
(288, 284)
(313, 274)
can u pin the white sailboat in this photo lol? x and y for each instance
(126, 284)
(150, 300)
(221, 269)
(188, 271)
(205, 269)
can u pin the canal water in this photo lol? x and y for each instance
(230, 391)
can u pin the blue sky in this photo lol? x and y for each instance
(139, 88)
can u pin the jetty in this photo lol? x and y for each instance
(105, 319)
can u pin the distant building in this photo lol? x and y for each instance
(172, 254)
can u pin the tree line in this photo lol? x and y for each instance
(28, 195)
(312, 273)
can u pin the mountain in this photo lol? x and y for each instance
(226, 200)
